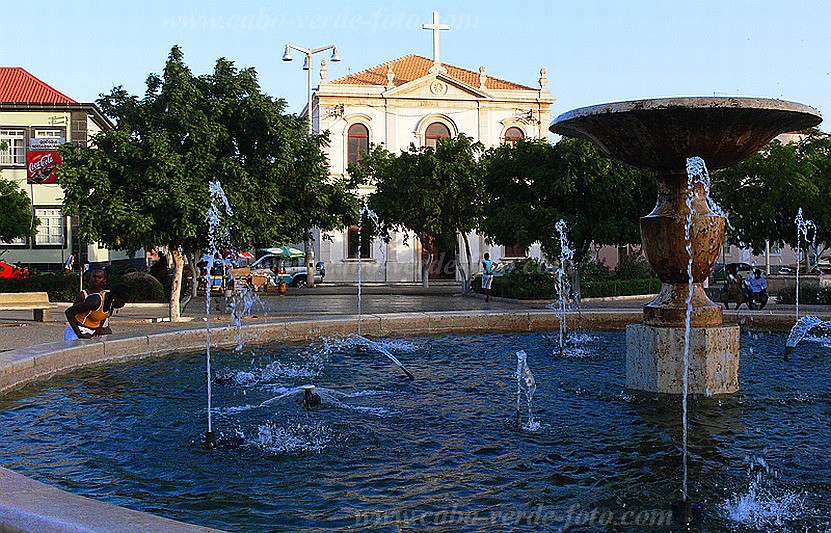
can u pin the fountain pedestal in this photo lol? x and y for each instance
(655, 359)
(659, 136)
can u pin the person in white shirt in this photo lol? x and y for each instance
(756, 288)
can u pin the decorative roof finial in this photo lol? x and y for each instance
(543, 79)
(390, 77)
(324, 72)
(483, 78)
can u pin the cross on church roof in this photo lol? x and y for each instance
(436, 27)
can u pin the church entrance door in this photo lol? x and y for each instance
(444, 262)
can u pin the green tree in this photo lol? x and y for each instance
(435, 193)
(533, 184)
(17, 220)
(145, 182)
(763, 194)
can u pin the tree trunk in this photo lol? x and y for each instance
(193, 259)
(425, 268)
(176, 286)
(309, 257)
(466, 280)
(192, 290)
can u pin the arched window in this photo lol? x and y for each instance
(434, 132)
(513, 134)
(356, 245)
(358, 143)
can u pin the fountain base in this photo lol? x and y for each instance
(655, 359)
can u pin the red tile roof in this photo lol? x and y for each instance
(18, 86)
(413, 66)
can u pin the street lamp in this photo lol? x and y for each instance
(307, 66)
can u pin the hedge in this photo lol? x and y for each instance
(808, 294)
(63, 287)
(532, 282)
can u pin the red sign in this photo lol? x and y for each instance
(41, 165)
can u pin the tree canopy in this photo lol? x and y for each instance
(16, 207)
(435, 193)
(763, 194)
(533, 184)
(145, 182)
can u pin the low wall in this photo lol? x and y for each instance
(29, 506)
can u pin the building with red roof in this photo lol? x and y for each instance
(35, 120)
(418, 100)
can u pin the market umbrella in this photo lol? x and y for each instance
(283, 251)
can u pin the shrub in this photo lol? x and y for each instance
(528, 279)
(619, 287)
(532, 281)
(63, 287)
(633, 267)
(60, 286)
(143, 287)
(808, 294)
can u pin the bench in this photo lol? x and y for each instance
(38, 302)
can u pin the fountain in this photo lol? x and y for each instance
(526, 385)
(804, 229)
(659, 135)
(563, 285)
(218, 235)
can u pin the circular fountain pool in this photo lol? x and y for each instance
(441, 453)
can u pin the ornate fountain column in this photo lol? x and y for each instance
(659, 135)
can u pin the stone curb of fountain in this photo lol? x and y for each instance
(27, 505)
(627, 298)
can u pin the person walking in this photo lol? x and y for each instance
(487, 275)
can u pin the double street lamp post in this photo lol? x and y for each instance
(307, 66)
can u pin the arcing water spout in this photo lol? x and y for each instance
(218, 235)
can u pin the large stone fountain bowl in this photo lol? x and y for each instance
(660, 134)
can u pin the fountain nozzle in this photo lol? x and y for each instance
(210, 440)
(686, 513)
(310, 397)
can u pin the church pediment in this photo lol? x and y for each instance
(437, 86)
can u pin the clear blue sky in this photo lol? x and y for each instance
(595, 51)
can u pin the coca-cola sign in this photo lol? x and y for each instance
(40, 166)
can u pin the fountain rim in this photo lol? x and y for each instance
(686, 102)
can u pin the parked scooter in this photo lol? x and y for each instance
(12, 271)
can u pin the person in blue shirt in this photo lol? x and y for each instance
(756, 290)
(487, 275)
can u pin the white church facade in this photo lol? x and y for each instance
(417, 100)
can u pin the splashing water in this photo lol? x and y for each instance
(763, 506)
(241, 304)
(808, 327)
(296, 439)
(218, 235)
(563, 284)
(359, 342)
(331, 398)
(804, 228)
(368, 213)
(526, 386)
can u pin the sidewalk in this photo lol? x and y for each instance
(19, 330)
